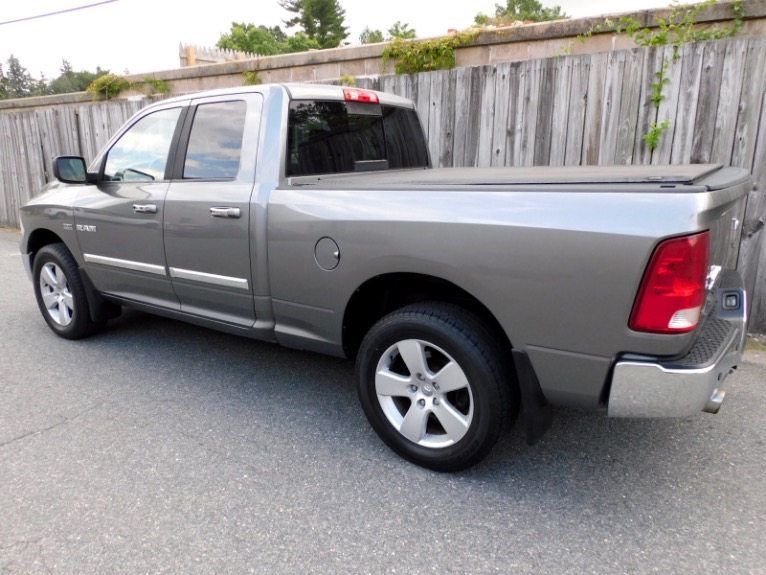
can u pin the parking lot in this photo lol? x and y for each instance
(160, 447)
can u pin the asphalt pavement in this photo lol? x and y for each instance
(159, 447)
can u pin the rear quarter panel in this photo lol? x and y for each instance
(558, 268)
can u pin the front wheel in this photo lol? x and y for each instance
(60, 294)
(434, 385)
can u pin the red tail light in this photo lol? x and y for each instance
(354, 95)
(672, 292)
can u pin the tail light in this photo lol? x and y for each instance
(672, 293)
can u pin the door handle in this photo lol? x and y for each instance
(145, 208)
(224, 212)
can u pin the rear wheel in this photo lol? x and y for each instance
(434, 385)
(60, 294)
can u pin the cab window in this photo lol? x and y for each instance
(215, 141)
(141, 153)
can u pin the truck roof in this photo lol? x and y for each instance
(295, 92)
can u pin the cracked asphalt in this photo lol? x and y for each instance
(159, 447)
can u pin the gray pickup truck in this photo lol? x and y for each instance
(311, 216)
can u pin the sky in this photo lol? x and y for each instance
(141, 36)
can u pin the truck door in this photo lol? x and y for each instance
(207, 209)
(119, 221)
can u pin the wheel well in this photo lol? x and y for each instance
(39, 239)
(383, 294)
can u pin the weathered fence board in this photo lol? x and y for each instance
(560, 113)
(709, 94)
(441, 122)
(668, 108)
(500, 112)
(731, 88)
(569, 110)
(594, 110)
(691, 76)
(629, 104)
(750, 105)
(578, 100)
(487, 118)
(465, 141)
(610, 110)
(545, 105)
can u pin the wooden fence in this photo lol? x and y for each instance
(569, 110)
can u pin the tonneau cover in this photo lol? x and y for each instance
(443, 177)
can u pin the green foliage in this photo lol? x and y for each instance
(253, 39)
(348, 80)
(300, 42)
(370, 36)
(252, 78)
(321, 20)
(265, 41)
(679, 28)
(652, 137)
(412, 56)
(520, 10)
(156, 85)
(107, 86)
(658, 87)
(403, 31)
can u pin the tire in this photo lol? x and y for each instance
(60, 294)
(435, 385)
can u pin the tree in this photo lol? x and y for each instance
(253, 39)
(41, 87)
(400, 30)
(18, 82)
(370, 36)
(264, 40)
(71, 81)
(300, 42)
(520, 10)
(3, 85)
(321, 20)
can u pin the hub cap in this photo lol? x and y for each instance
(424, 393)
(57, 298)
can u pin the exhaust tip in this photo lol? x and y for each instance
(715, 401)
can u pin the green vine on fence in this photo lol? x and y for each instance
(156, 85)
(679, 28)
(109, 86)
(252, 78)
(413, 56)
(348, 80)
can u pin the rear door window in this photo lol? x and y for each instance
(215, 141)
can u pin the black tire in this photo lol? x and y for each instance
(447, 426)
(60, 294)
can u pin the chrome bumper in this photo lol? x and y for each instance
(689, 385)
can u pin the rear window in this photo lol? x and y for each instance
(336, 137)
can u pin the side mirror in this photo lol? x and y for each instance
(70, 170)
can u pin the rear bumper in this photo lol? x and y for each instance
(684, 387)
